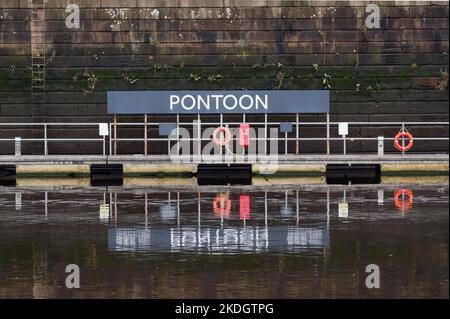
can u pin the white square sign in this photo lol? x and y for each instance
(103, 129)
(343, 128)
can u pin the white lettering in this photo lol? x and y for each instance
(192, 102)
(241, 103)
(200, 100)
(174, 99)
(264, 104)
(217, 100)
(225, 102)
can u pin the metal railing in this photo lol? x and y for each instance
(110, 143)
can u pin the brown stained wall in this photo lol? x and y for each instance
(389, 74)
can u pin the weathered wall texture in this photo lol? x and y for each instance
(396, 73)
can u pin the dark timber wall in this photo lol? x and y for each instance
(396, 73)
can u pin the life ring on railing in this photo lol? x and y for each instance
(400, 194)
(403, 134)
(225, 138)
(222, 206)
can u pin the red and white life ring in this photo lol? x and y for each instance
(226, 136)
(401, 135)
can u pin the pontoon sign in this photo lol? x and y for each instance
(218, 102)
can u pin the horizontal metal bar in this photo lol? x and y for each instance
(280, 139)
(53, 140)
(231, 123)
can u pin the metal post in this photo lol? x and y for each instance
(145, 136)
(178, 134)
(380, 145)
(403, 139)
(45, 140)
(221, 124)
(345, 144)
(104, 145)
(243, 147)
(18, 146)
(265, 134)
(115, 134)
(110, 140)
(328, 133)
(296, 133)
(199, 145)
(285, 143)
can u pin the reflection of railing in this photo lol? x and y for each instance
(109, 144)
(217, 239)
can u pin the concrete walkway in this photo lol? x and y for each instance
(163, 164)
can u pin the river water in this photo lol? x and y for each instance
(229, 242)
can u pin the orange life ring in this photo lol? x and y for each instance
(403, 135)
(398, 196)
(227, 136)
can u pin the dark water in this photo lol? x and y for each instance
(224, 243)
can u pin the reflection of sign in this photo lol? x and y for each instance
(104, 211)
(167, 212)
(343, 210)
(244, 207)
(212, 239)
(218, 102)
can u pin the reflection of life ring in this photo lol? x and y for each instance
(399, 196)
(225, 138)
(401, 135)
(222, 206)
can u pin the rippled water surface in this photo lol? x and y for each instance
(284, 242)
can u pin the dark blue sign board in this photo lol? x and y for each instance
(218, 102)
(165, 129)
(285, 127)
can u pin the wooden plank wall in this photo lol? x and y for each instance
(395, 73)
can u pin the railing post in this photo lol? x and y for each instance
(380, 145)
(243, 121)
(115, 134)
(145, 135)
(265, 134)
(221, 124)
(18, 146)
(285, 143)
(45, 140)
(328, 133)
(110, 139)
(199, 145)
(104, 145)
(403, 139)
(296, 133)
(178, 134)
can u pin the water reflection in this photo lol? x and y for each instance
(291, 241)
